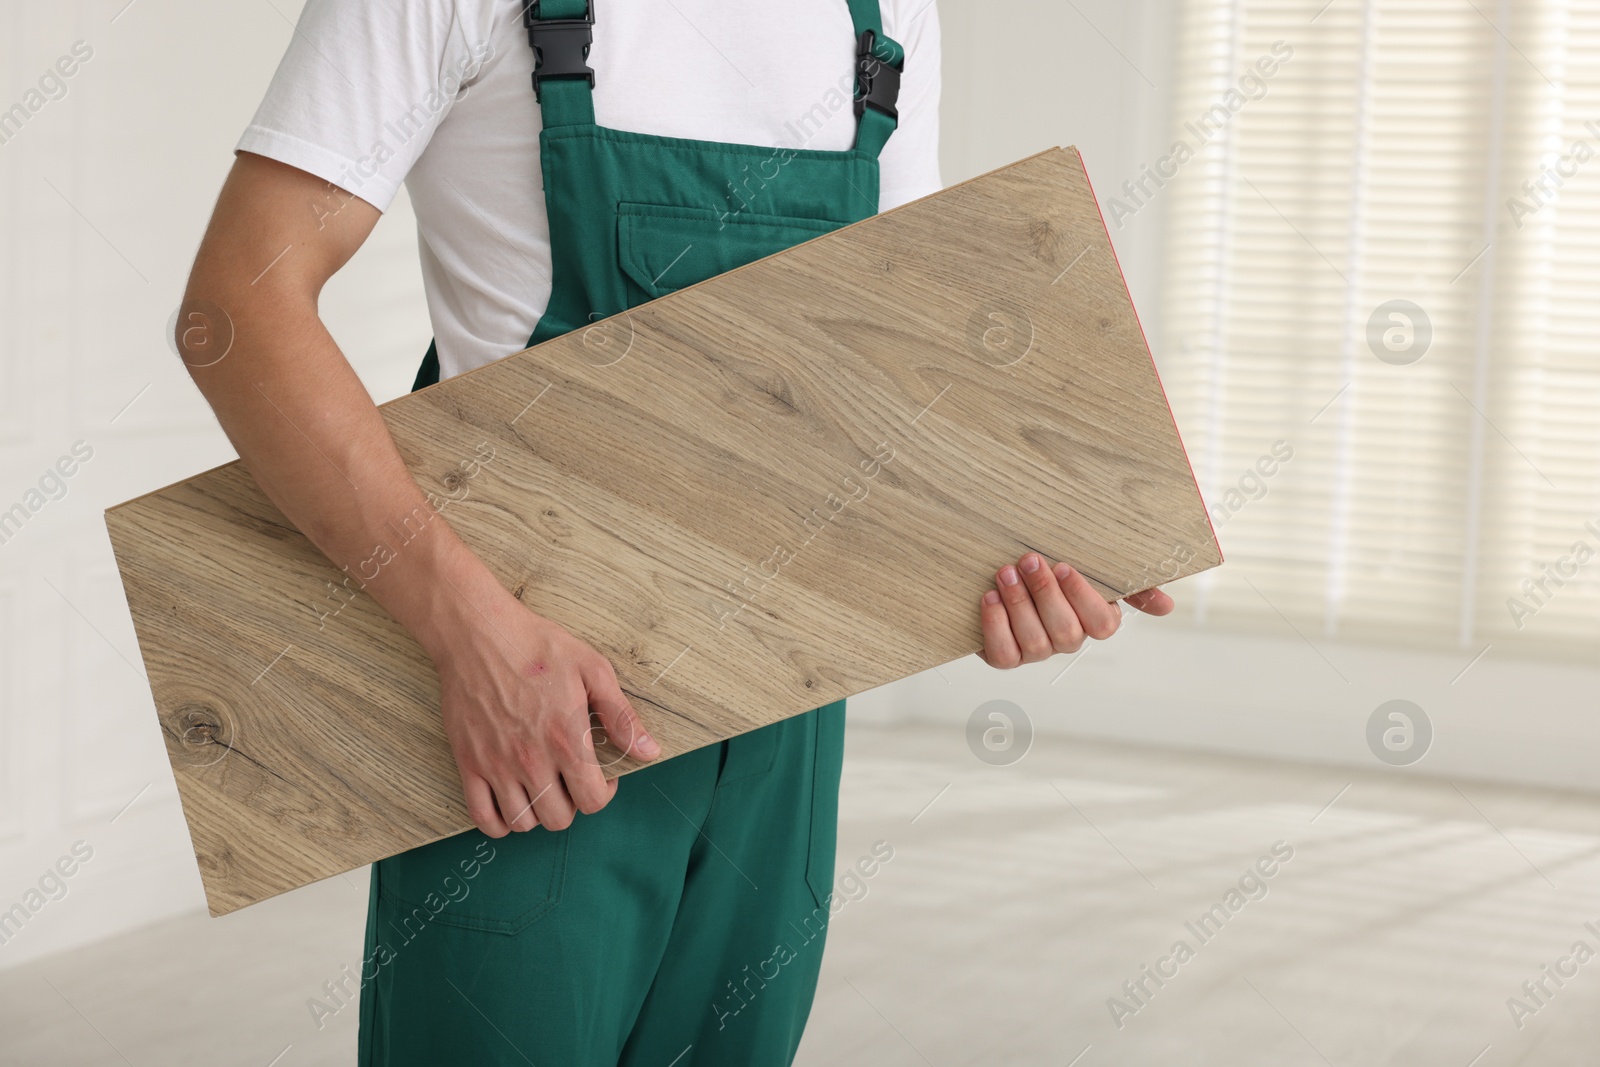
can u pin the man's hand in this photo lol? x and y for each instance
(1036, 611)
(516, 691)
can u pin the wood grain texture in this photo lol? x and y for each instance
(783, 486)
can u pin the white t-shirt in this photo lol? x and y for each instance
(437, 93)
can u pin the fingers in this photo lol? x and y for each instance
(561, 772)
(1026, 626)
(585, 783)
(622, 724)
(588, 787)
(1036, 611)
(516, 809)
(1152, 602)
(575, 754)
(481, 807)
(1099, 619)
(999, 644)
(1060, 620)
(526, 749)
(553, 806)
(538, 797)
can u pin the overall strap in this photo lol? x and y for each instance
(561, 32)
(879, 61)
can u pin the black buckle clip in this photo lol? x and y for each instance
(560, 46)
(878, 83)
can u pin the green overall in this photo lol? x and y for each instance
(684, 924)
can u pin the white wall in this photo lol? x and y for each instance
(1167, 684)
(1021, 76)
(103, 196)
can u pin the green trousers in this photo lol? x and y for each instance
(682, 925)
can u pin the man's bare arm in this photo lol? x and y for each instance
(516, 688)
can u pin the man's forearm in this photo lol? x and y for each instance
(299, 417)
(321, 451)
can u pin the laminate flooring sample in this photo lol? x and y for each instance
(783, 486)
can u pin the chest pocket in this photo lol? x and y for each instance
(663, 249)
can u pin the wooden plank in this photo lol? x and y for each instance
(783, 486)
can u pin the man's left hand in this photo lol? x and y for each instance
(1036, 611)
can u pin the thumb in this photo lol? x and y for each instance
(622, 724)
(1151, 602)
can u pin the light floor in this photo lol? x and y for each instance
(1018, 901)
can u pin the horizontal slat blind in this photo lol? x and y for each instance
(1361, 173)
(1547, 345)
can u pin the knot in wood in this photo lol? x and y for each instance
(198, 725)
(203, 734)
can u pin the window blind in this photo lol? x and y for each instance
(1388, 372)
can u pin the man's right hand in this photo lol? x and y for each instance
(516, 692)
(517, 689)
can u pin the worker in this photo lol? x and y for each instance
(567, 161)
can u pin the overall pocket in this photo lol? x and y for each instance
(827, 769)
(663, 249)
(475, 882)
(751, 755)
